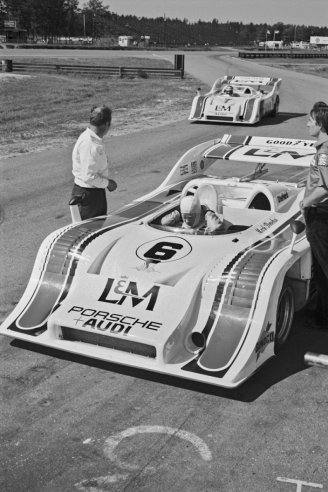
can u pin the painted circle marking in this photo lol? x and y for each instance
(174, 247)
(112, 442)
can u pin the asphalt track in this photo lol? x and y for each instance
(73, 424)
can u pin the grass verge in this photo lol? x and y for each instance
(50, 110)
(314, 66)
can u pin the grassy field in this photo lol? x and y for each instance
(50, 110)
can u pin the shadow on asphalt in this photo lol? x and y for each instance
(289, 361)
(267, 121)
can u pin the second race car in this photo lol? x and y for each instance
(238, 99)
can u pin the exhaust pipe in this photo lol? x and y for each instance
(319, 360)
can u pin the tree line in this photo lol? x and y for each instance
(54, 18)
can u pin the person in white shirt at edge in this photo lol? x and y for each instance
(194, 216)
(90, 165)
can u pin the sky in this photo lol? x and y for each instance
(299, 12)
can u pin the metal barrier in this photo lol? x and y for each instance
(280, 54)
(93, 69)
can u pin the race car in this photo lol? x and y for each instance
(213, 308)
(237, 99)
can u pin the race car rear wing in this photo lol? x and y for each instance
(266, 150)
(239, 79)
(264, 83)
(239, 149)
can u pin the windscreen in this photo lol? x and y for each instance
(276, 173)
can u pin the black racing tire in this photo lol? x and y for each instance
(276, 107)
(285, 314)
(261, 112)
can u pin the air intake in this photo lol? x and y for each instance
(74, 335)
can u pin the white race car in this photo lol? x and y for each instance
(237, 99)
(213, 308)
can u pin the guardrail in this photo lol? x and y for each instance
(280, 54)
(91, 69)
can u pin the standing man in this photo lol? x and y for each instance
(90, 165)
(314, 207)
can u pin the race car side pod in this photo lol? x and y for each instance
(297, 227)
(74, 207)
(319, 360)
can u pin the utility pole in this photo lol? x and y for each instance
(84, 24)
(164, 30)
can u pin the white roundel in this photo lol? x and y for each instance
(166, 249)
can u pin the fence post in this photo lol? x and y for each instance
(120, 72)
(7, 65)
(181, 73)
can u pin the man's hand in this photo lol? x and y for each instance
(213, 223)
(111, 185)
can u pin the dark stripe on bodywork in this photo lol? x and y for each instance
(199, 106)
(61, 262)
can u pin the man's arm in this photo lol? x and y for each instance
(318, 194)
(89, 158)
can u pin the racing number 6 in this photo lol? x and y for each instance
(163, 251)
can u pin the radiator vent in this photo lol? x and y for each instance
(138, 348)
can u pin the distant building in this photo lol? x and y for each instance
(300, 45)
(125, 40)
(320, 41)
(271, 45)
(10, 33)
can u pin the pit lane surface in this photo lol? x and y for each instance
(72, 424)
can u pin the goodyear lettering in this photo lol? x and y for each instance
(126, 289)
(266, 225)
(289, 142)
(111, 322)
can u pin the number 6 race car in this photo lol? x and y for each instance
(213, 308)
(238, 99)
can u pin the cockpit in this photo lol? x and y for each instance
(239, 204)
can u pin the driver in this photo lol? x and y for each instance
(193, 217)
(228, 91)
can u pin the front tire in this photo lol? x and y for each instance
(285, 314)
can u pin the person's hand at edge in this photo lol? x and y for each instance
(111, 185)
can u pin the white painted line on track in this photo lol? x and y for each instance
(95, 484)
(112, 442)
(299, 483)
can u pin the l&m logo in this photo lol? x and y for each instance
(124, 289)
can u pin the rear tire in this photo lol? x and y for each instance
(276, 107)
(285, 314)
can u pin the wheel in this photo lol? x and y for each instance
(276, 107)
(261, 112)
(285, 314)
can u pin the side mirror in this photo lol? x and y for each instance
(74, 207)
(297, 227)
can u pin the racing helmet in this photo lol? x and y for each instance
(191, 211)
(228, 90)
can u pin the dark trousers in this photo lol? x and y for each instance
(94, 202)
(317, 235)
